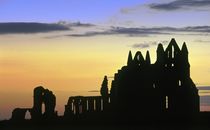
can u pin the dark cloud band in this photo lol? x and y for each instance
(20, 27)
(180, 4)
(143, 31)
(27, 28)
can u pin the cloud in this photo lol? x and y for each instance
(137, 31)
(143, 31)
(140, 45)
(77, 29)
(205, 100)
(204, 95)
(164, 42)
(205, 29)
(181, 4)
(129, 10)
(25, 28)
(75, 24)
(198, 5)
(33, 27)
(94, 91)
(203, 41)
(89, 34)
(148, 44)
(121, 31)
(203, 87)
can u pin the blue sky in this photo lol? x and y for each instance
(126, 12)
(54, 10)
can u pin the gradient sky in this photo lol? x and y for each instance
(69, 45)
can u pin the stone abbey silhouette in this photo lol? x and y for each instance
(41, 96)
(162, 87)
(145, 89)
(139, 89)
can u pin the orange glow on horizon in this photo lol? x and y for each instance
(75, 66)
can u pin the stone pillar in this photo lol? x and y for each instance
(98, 104)
(91, 104)
(84, 105)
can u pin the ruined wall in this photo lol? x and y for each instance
(41, 97)
(163, 87)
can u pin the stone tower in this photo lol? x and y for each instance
(143, 88)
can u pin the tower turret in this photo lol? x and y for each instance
(160, 54)
(104, 87)
(184, 48)
(185, 65)
(172, 50)
(147, 60)
(172, 54)
(138, 58)
(130, 59)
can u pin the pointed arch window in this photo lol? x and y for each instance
(153, 85)
(173, 51)
(166, 102)
(28, 115)
(180, 83)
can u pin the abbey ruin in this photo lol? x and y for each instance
(138, 88)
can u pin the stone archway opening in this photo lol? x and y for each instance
(27, 115)
(43, 108)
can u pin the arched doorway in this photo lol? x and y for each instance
(43, 108)
(27, 115)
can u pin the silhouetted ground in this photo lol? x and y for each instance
(108, 127)
(199, 122)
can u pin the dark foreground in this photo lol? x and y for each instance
(110, 122)
(122, 127)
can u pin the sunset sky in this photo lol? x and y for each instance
(68, 46)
